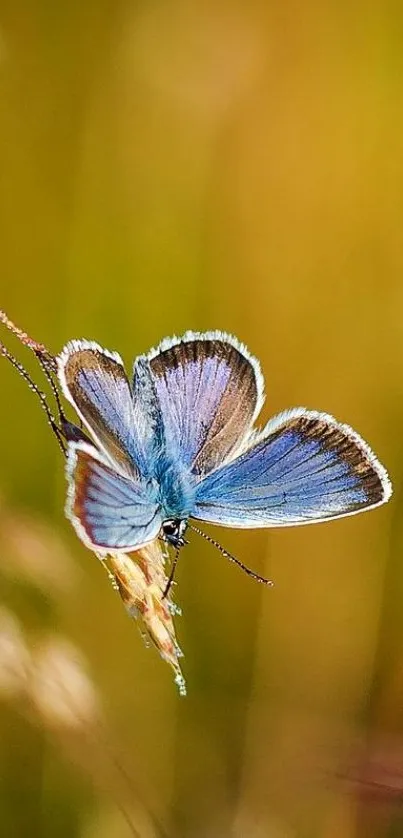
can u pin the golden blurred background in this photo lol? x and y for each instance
(195, 165)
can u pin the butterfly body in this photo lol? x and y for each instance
(177, 490)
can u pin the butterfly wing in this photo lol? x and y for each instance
(304, 467)
(95, 383)
(109, 511)
(209, 391)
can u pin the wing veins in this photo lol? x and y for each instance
(277, 483)
(219, 505)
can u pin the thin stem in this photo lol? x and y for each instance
(38, 348)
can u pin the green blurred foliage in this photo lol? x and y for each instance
(175, 165)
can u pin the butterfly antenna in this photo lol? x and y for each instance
(232, 558)
(41, 396)
(172, 574)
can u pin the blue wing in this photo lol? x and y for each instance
(95, 383)
(304, 467)
(109, 511)
(209, 392)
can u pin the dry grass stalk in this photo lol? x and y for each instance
(141, 581)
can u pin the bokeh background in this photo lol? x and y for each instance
(186, 164)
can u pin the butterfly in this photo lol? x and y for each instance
(177, 444)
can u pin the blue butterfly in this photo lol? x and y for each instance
(178, 444)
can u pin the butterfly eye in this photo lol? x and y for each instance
(170, 527)
(173, 530)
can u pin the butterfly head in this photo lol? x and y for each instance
(173, 531)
